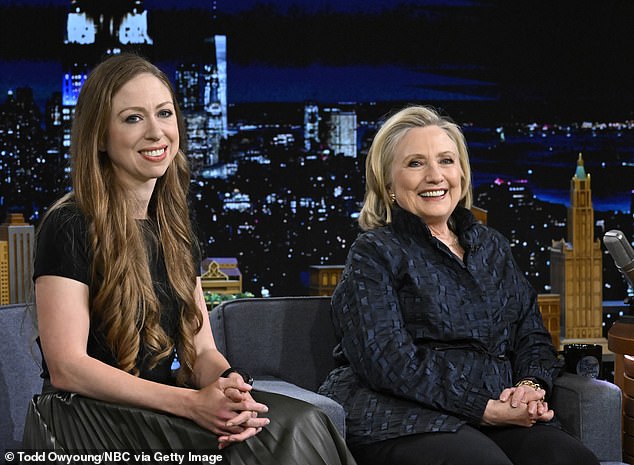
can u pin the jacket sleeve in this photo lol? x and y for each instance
(381, 351)
(534, 355)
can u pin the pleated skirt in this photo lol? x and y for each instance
(298, 434)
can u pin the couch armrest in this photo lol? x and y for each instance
(590, 410)
(331, 408)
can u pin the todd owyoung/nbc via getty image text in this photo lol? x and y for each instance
(112, 457)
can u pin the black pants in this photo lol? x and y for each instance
(539, 445)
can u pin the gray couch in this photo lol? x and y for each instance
(19, 373)
(286, 343)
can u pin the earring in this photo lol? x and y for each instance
(393, 197)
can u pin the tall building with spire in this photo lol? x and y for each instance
(576, 267)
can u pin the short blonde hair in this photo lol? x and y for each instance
(376, 211)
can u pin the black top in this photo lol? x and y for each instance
(428, 339)
(62, 249)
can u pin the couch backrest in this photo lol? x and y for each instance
(19, 373)
(289, 338)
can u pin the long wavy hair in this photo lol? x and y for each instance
(123, 302)
(377, 206)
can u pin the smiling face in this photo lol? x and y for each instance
(426, 174)
(142, 137)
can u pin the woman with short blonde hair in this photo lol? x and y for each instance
(444, 358)
(376, 209)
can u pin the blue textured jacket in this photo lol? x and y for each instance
(428, 339)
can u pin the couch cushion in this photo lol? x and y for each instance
(288, 338)
(327, 405)
(19, 372)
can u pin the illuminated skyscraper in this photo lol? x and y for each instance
(311, 126)
(576, 268)
(54, 111)
(73, 80)
(342, 131)
(5, 295)
(188, 88)
(214, 78)
(19, 238)
(189, 95)
(202, 92)
(203, 144)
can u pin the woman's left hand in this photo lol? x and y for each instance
(246, 423)
(532, 399)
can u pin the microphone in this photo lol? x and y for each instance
(622, 253)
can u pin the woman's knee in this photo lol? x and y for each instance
(543, 444)
(566, 453)
(467, 446)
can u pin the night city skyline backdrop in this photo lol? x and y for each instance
(487, 60)
(569, 58)
(532, 83)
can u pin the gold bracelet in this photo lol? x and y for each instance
(530, 383)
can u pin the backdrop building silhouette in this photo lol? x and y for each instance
(17, 241)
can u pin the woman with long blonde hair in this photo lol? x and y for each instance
(118, 299)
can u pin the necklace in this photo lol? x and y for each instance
(453, 243)
(450, 243)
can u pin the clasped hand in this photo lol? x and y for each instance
(227, 409)
(520, 406)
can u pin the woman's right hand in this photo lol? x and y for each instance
(226, 408)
